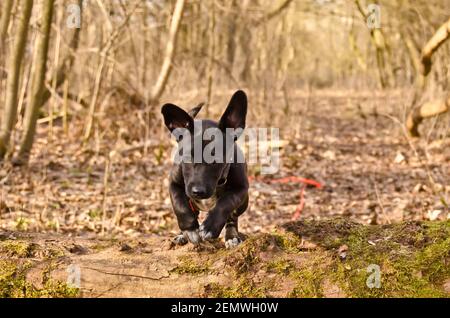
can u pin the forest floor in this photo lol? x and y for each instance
(385, 201)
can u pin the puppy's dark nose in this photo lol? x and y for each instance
(199, 192)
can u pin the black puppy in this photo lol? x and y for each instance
(219, 185)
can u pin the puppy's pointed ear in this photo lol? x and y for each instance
(175, 117)
(194, 111)
(234, 115)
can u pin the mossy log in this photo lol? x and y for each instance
(330, 258)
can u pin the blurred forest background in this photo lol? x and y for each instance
(82, 144)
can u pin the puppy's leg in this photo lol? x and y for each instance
(187, 219)
(180, 239)
(219, 215)
(235, 195)
(232, 237)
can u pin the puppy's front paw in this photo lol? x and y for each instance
(209, 232)
(233, 242)
(205, 233)
(180, 239)
(192, 236)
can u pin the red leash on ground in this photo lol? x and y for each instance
(293, 179)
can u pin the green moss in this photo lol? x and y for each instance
(246, 256)
(413, 258)
(310, 275)
(189, 266)
(22, 224)
(244, 288)
(51, 253)
(280, 266)
(247, 260)
(287, 242)
(13, 283)
(399, 278)
(94, 214)
(23, 249)
(19, 249)
(57, 289)
(309, 284)
(434, 261)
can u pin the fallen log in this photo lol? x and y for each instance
(323, 258)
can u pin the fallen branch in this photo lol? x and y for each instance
(166, 67)
(435, 107)
(429, 109)
(441, 35)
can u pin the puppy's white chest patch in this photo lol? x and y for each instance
(206, 205)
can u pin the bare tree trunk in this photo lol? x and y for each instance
(4, 20)
(413, 53)
(231, 34)
(244, 52)
(166, 68)
(104, 52)
(54, 103)
(144, 59)
(66, 64)
(356, 51)
(12, 84)
(37, 88)
(379, 41)
(212, 49)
